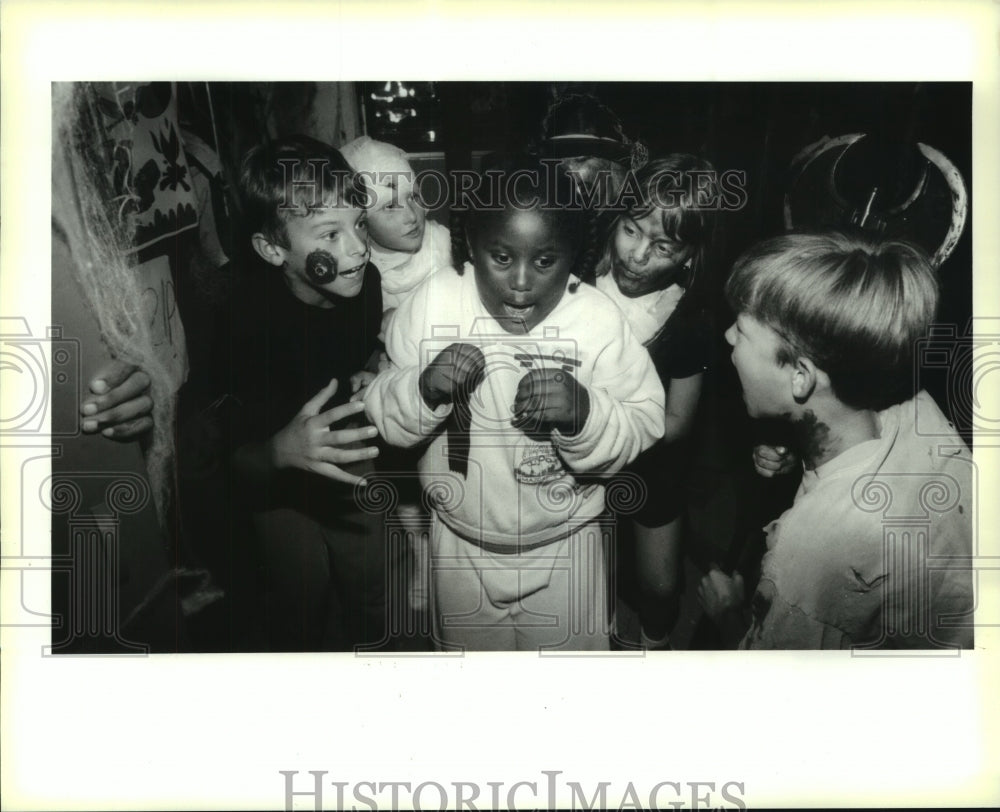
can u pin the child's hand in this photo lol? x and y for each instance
(120, 405)
(719, 593)
(774, 460)
(550, 399)
(457, 368)
(359, 380)
(309, 443)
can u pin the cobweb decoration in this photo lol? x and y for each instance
(104, 265)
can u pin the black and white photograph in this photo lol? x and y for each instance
(396, 435)
(513, 464)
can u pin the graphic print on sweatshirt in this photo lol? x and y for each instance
(509, 358)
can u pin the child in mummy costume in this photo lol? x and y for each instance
(528, 388)
(406, 248)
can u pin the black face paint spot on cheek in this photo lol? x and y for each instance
(321, 267)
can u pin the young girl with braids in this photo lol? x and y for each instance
(655, 268)
(528, 389)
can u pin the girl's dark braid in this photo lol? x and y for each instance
(459, 246)
(592, 241)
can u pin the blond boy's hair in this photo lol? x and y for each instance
(855, 305)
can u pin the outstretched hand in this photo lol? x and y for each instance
(549, 399)
(308, 442)
(458, 368)
(119, 405)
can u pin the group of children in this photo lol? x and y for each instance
(534, 353)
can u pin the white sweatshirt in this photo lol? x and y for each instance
(517, 490)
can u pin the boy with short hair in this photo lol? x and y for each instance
(875, 550)
(303, 318)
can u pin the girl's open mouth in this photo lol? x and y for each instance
(517, 311)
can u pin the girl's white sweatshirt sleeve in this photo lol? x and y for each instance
(627, 404)
(392, 401)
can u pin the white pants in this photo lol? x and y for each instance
(551, 599)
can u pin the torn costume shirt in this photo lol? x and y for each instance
(875, 550)
(516, 489)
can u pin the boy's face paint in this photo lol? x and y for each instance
(766, 382)
(327, 254)
(522, 264)
(321, 267)
(644, 259)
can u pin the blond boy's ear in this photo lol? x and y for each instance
(268, 251)
(806, 376)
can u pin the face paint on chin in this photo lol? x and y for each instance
(321, 267)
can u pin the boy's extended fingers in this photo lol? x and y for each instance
(340, 437)
(341, 412)
(343, 456)
(119, 414)
(315, 403)
(130, 429)
(133, 385)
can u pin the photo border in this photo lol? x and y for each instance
(215, 731)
